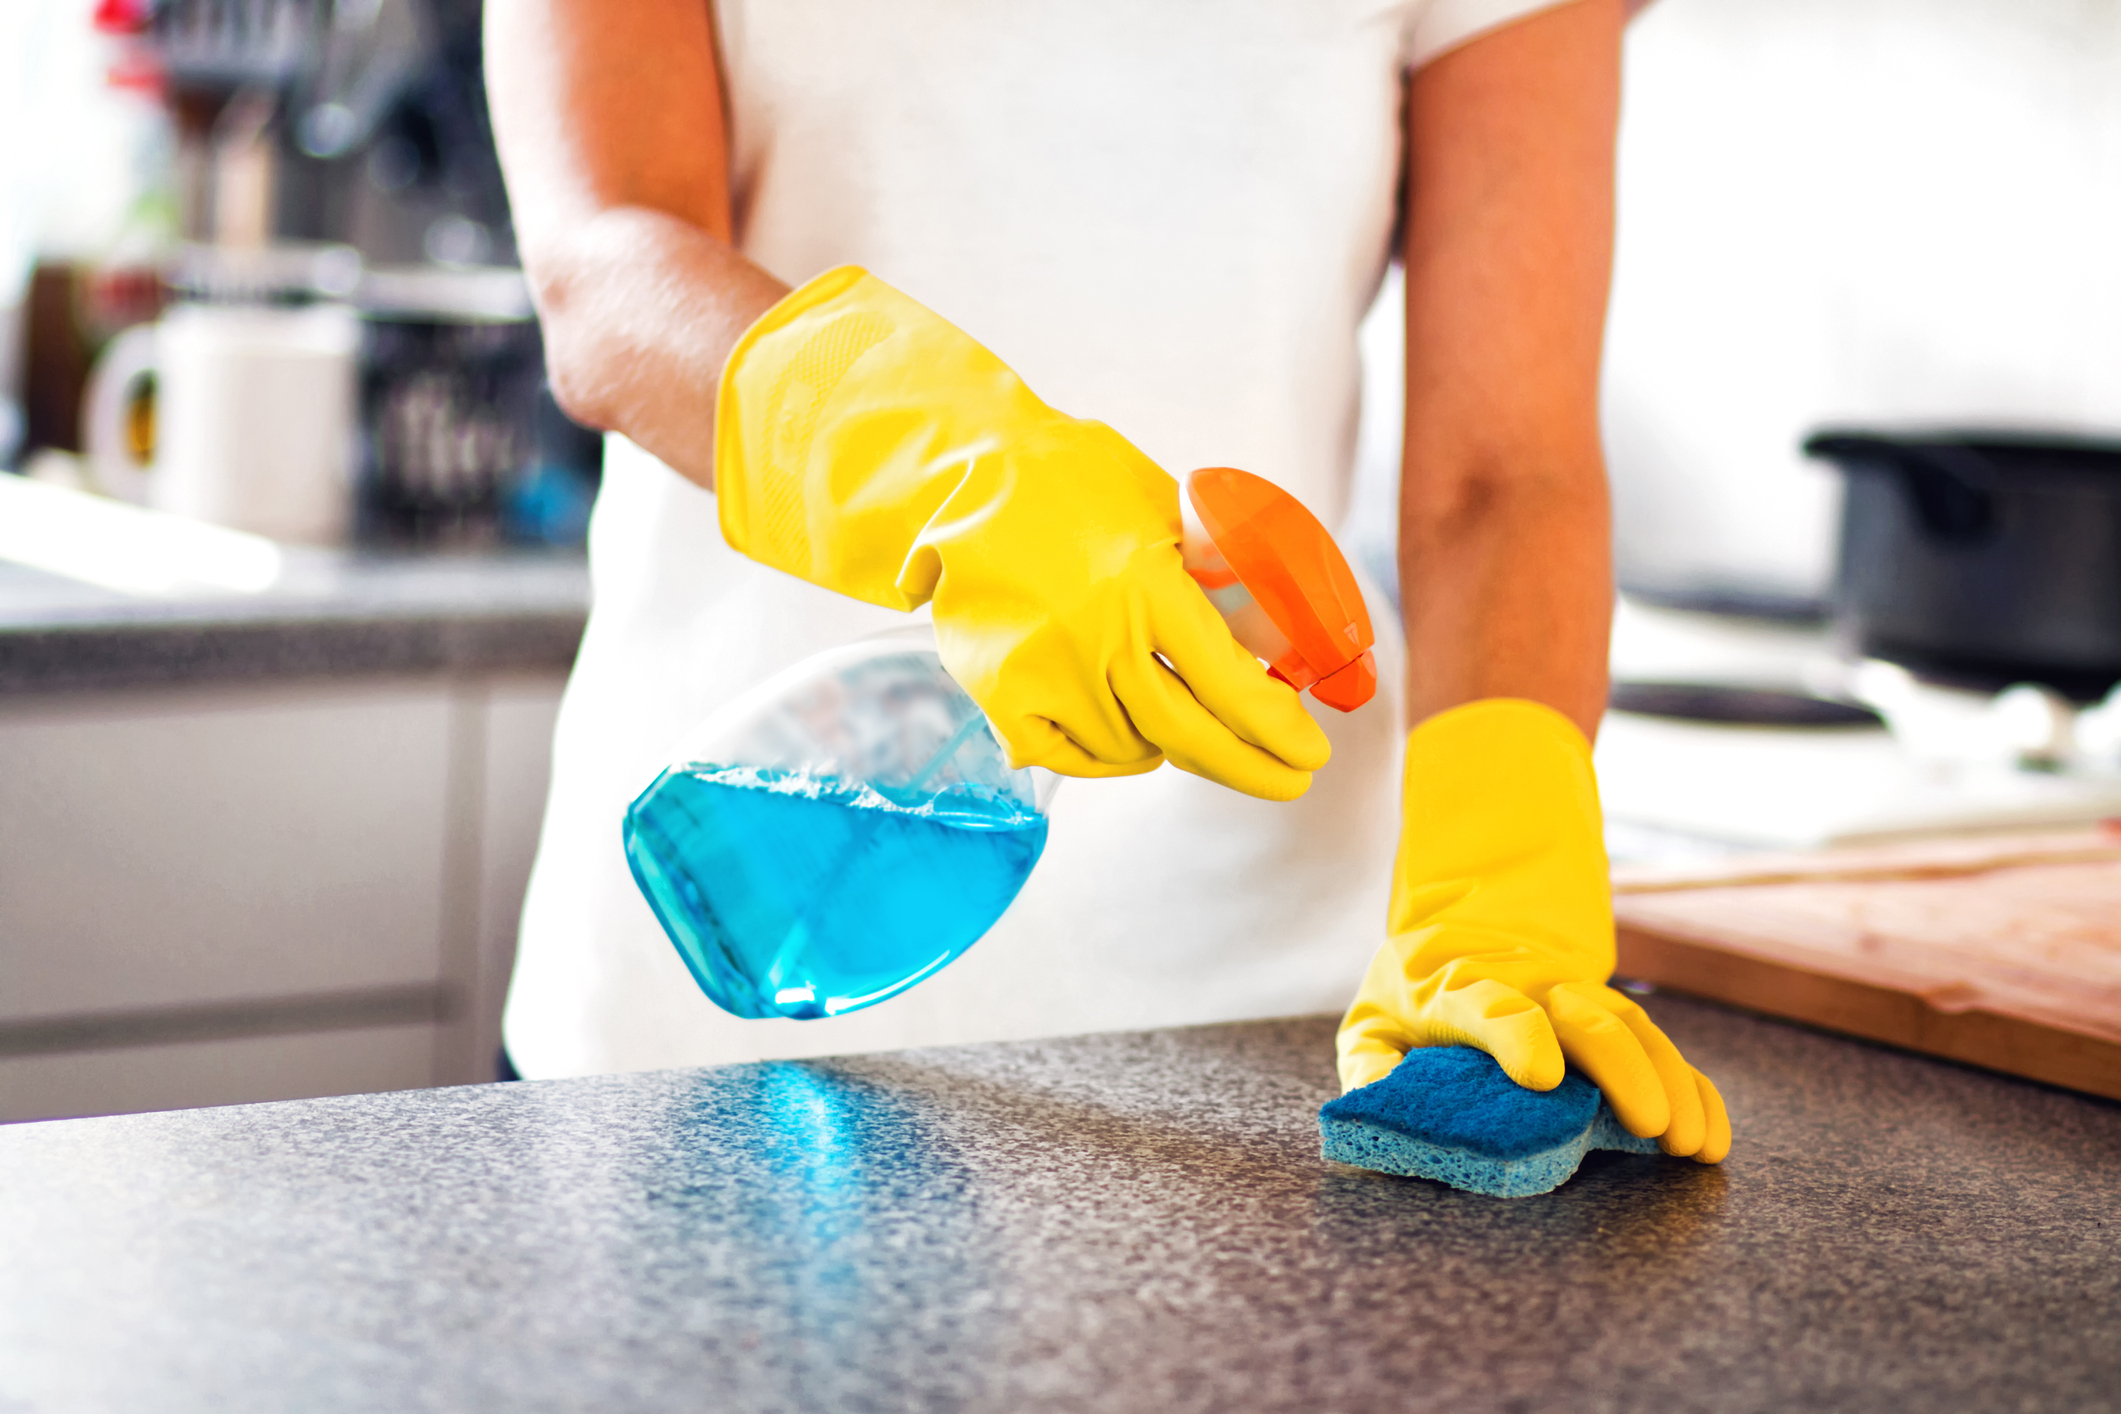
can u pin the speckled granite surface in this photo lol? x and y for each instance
(1130, 1222)
(331, 615)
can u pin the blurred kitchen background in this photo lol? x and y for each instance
(290, 565)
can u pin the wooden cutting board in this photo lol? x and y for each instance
(2002, 951)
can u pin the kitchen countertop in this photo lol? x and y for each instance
(1115, 1222)
(329, 614)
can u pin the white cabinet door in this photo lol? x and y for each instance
(504, 759)
(163, 849)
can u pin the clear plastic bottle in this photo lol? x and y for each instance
(850, 826)
(836, 834)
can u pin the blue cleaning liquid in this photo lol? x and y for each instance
(792, 896)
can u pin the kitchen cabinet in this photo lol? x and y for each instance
(224, 893)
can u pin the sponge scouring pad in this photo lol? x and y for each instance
(1449, 1113)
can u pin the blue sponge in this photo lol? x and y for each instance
(1449, 1113)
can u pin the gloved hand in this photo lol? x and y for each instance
(867, 445)
(1501, 929)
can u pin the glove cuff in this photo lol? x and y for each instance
(758, 497)
(846, 416)
(1502, 826)
(1499, 754)
(1497, 719)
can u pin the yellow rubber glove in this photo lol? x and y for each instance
(1501, 929)
(867, 445)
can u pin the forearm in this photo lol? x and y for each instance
(641, 310)
(609, 123)
(1507, 583)
(1505, 560)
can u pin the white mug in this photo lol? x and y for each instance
(254, 416)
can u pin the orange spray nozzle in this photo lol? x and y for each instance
(1282, 584)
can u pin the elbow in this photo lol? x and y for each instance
(575, 359)
(1448, 498)
(575, 387)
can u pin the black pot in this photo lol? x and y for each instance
(1986, 556)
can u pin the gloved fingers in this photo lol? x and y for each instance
(1038, 741)
(1364, 1059)
(1228, 682)
(1168, 715)
(1065, 758)
(1718, 1123)
(1375, 1032)
(1605, 1049)
(1502, 1021)
(1689, 1127)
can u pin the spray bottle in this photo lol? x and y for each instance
(851, 825)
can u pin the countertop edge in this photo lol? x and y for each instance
(83, 657)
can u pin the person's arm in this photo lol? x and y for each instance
(611, 134)
(1505, 566)
(854, 438)
(1500, 929)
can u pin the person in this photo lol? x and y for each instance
(850, 282)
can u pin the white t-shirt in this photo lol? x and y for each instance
(1169, 215)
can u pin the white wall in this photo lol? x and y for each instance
(1900, 211)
